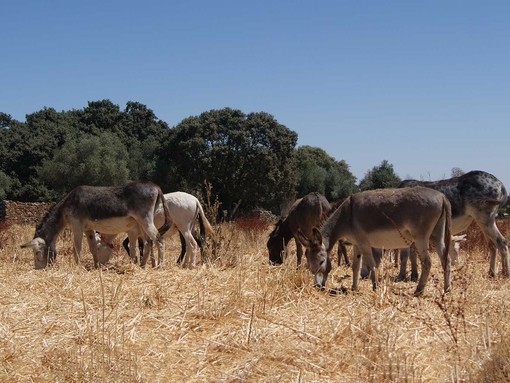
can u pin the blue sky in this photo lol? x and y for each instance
(424, 85)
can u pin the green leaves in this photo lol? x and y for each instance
(90, 160)
(246, 158)
(382, 176)
(322, 173)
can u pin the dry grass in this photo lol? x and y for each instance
(236, 319)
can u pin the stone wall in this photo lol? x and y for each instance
(23, 212)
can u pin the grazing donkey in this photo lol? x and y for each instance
(305, 213)
(474, 196)
(383, 218)
(184, 210)
(109, 210)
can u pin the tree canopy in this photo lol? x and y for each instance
(29, 150)
(317, 171)
(248, 159)
(381, 176)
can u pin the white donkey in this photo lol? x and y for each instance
(384, 218)
(184, 211)
(110, 210)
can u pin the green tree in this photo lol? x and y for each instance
(382, 176)
(144, 133)
(248, 159)
(28, 145)
(88, 159)
(317, 171)
(5, 184)
(24, 147)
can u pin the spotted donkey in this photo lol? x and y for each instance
(474, 196)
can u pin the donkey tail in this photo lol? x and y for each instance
(205, 226)
(168, 220)
(447, 212)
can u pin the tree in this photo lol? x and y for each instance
(29, 145)
(88, 159)
(24, 147)
(382, 176)
(248, 159)
(144, 134)
(5, 184)
(317, 171)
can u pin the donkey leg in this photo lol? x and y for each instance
(91, 239)
(363, 258)
(183, 248)
(125, 244)
(371, 263)
(404, 256)
(342, 253)
(495, 241)
(132, 240)
(77, 239)
(153, 234)
(413, 257)
(161, 251)
(423, 253)
(377, 254)
(147, 248)
(153, 258)
(356, 265)
(500, 243)
(505, 262)
(299, 252)
(444, 256)
(191, 250)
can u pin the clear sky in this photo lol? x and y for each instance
(422, 84)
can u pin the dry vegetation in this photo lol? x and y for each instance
(237, 319)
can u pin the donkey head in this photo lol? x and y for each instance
(43, 254)
(317, 256)
(275, 244)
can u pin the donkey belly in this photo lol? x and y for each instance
(389, 239)
(110, 225)
(460, 223)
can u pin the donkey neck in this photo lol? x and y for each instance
(285, 231)
(52, 223)
(337, 225)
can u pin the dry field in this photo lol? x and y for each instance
(234, 318)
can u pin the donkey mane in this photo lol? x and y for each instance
(51, 219)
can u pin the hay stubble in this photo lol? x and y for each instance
(237, 319)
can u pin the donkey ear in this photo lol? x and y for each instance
(36, 242)
(303, 239)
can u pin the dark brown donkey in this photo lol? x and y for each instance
(305, 213)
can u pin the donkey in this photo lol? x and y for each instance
(184, 210)
(110, 210)
(304, 214)
(474, 196)
(383, 218)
